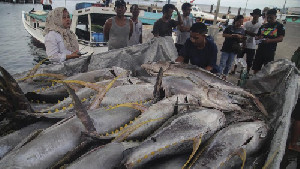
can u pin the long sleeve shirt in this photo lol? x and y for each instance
(55, 47)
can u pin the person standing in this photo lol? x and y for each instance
(163, 26)
(269, 34)
(199, 50)
(118, 29)
(47, 4)
(183, 31)
(234, 35)
(136, 37)
(60, 42)
(251, 29)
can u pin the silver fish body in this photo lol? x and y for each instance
(177, 136)
(242, 138)
(52, 144)
(108, 156)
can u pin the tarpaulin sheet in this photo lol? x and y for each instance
(278, 85)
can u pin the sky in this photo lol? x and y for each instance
(252, 4)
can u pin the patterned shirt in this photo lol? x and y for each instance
(271, 31)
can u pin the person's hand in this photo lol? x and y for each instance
(73, 55)
(266, 40)
(234, 35)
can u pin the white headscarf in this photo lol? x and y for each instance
(54, 23)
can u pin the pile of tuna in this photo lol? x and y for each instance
(179, 116)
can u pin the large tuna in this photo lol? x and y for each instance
(176, 136)
(52, 144)
(237, 140)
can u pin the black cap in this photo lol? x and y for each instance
(120, 3)
(272, 12)
(256, 12)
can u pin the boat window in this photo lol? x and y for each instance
(82, 29)
(195, 9)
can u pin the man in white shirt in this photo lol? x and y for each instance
(251, 29)
(136, 36)
(183, 31)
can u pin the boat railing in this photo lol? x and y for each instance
(92, 44)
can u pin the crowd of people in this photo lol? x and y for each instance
(192, 42)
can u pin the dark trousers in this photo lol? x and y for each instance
(263, 56)
(178, 47)
(47, 7)
(249, 56)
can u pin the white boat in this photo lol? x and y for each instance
(87, 23)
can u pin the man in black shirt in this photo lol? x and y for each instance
(269, 34)
(163, 26)
(199, 50)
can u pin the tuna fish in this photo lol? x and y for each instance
(107, 157)
(51, 144)
(176, 137)
(154, 117)
(202, 78)
(8, 142)
(241, 139)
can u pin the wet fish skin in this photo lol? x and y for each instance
(207, 96)
(107, 157)
(202, 77)
(87, 95)
(154, 117)
(8, 142)
(176, 137)
(248, 136)
(128, 94)
(54, 142)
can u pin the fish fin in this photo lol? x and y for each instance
(158, 92)
(260, 106)
(197, 142)
(13, 93)
(99, 97)
(81, 112)
(241, 152)
(270, 159)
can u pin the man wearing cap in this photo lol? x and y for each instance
(251, 29)
(269, 34)
(199, 50)
(118, 29)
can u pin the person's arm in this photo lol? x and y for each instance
(213, 59)
(183, 54)
(141, 36)
(226, 33)
(276, 40)
(252, 34)
(53, 51)
(180, 59)
(155, 30)
(259, 35)
(179, 17)
(106, 29)
(131, 28)
(280, 35)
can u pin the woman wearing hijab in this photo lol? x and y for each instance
(61, 44)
